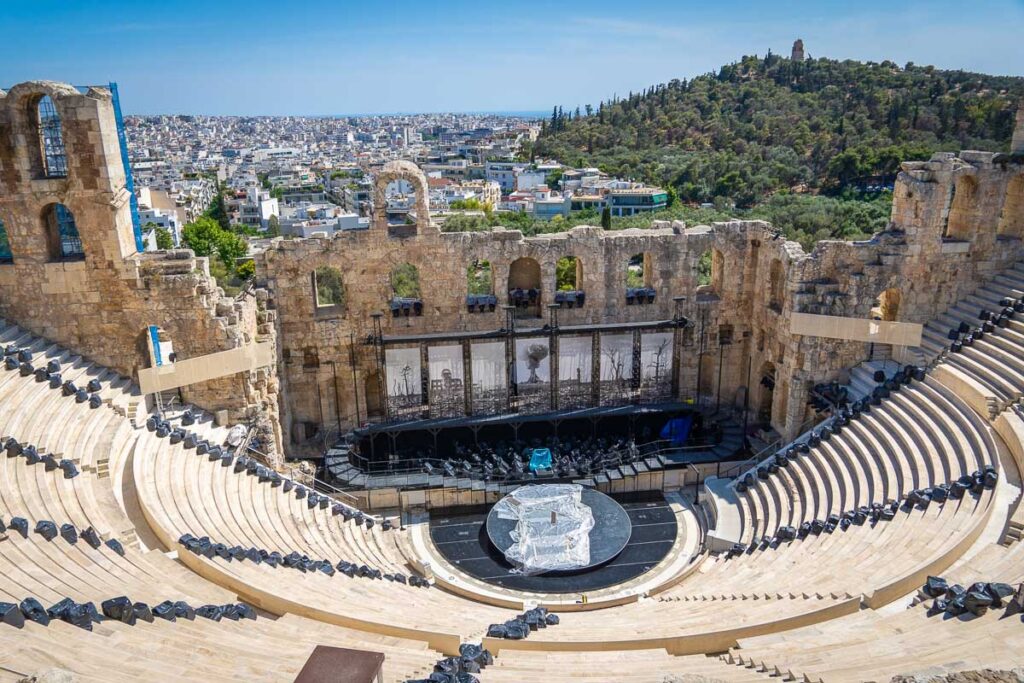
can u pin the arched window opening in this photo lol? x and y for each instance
(776, 286)
(887, 306)
(1011, 222)
(328, 289)
(480, 287)
(51, 139)
(524, 287)
(569, 282)
(63, 240)
(704, 269)
(639, 289)
(405, 291)
(5, 245)
(960, 223)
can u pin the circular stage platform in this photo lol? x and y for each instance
(611, 531)
(460, 536)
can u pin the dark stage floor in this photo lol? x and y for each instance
(461, 537)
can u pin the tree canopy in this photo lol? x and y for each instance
(766, 124)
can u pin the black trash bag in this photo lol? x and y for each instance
(935, 587)
(551, 619)
(212, 612)
(70, 471)
(183, 610)
(497, 631)
(46, 529)
(245, 611)
(142, 611)
(977, 602)
(119, 609)
(19, 524)
(116, 546)
(49, 463)
(91, 537)
(58, 610)
(1001, 593)
(81, 616)
(938, 606)
(31, 455)
(516, 629)
(165, 610)
(34, 611)
(955, 591)
(955, 606)
(230, 611)
(11, 615)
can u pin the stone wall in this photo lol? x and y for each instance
(101, 305)
(759, 279)
(956, 219)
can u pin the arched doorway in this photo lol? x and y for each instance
(524, 287)
(374, 402)
(765, 393)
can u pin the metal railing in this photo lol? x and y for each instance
(318, 484)
(773, 447)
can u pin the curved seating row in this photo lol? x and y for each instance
(52, 570)
(181, 492)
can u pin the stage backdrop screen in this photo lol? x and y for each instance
(616, 368)
(656, 366)
(533, 374)
(490, 378)
(575, 367)
(404, 382)
(447, 394)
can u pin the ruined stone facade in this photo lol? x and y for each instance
(98, 296)
(956, 220)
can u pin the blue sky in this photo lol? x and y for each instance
(329, 57)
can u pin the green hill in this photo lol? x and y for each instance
(767, 125)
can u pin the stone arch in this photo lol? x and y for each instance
(887, 305)
(776, 285)
(568, 274)
(960, 223)
(1011, 221)
(328, 290)
(765, 392)
(63, 242)
(711, 271)
(638, 271)
(6, 255)
(525, 289)
(403, 223)
(479, 277)
(37, 111)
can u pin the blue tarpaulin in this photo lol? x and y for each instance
(540, 459)
(677, 430)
